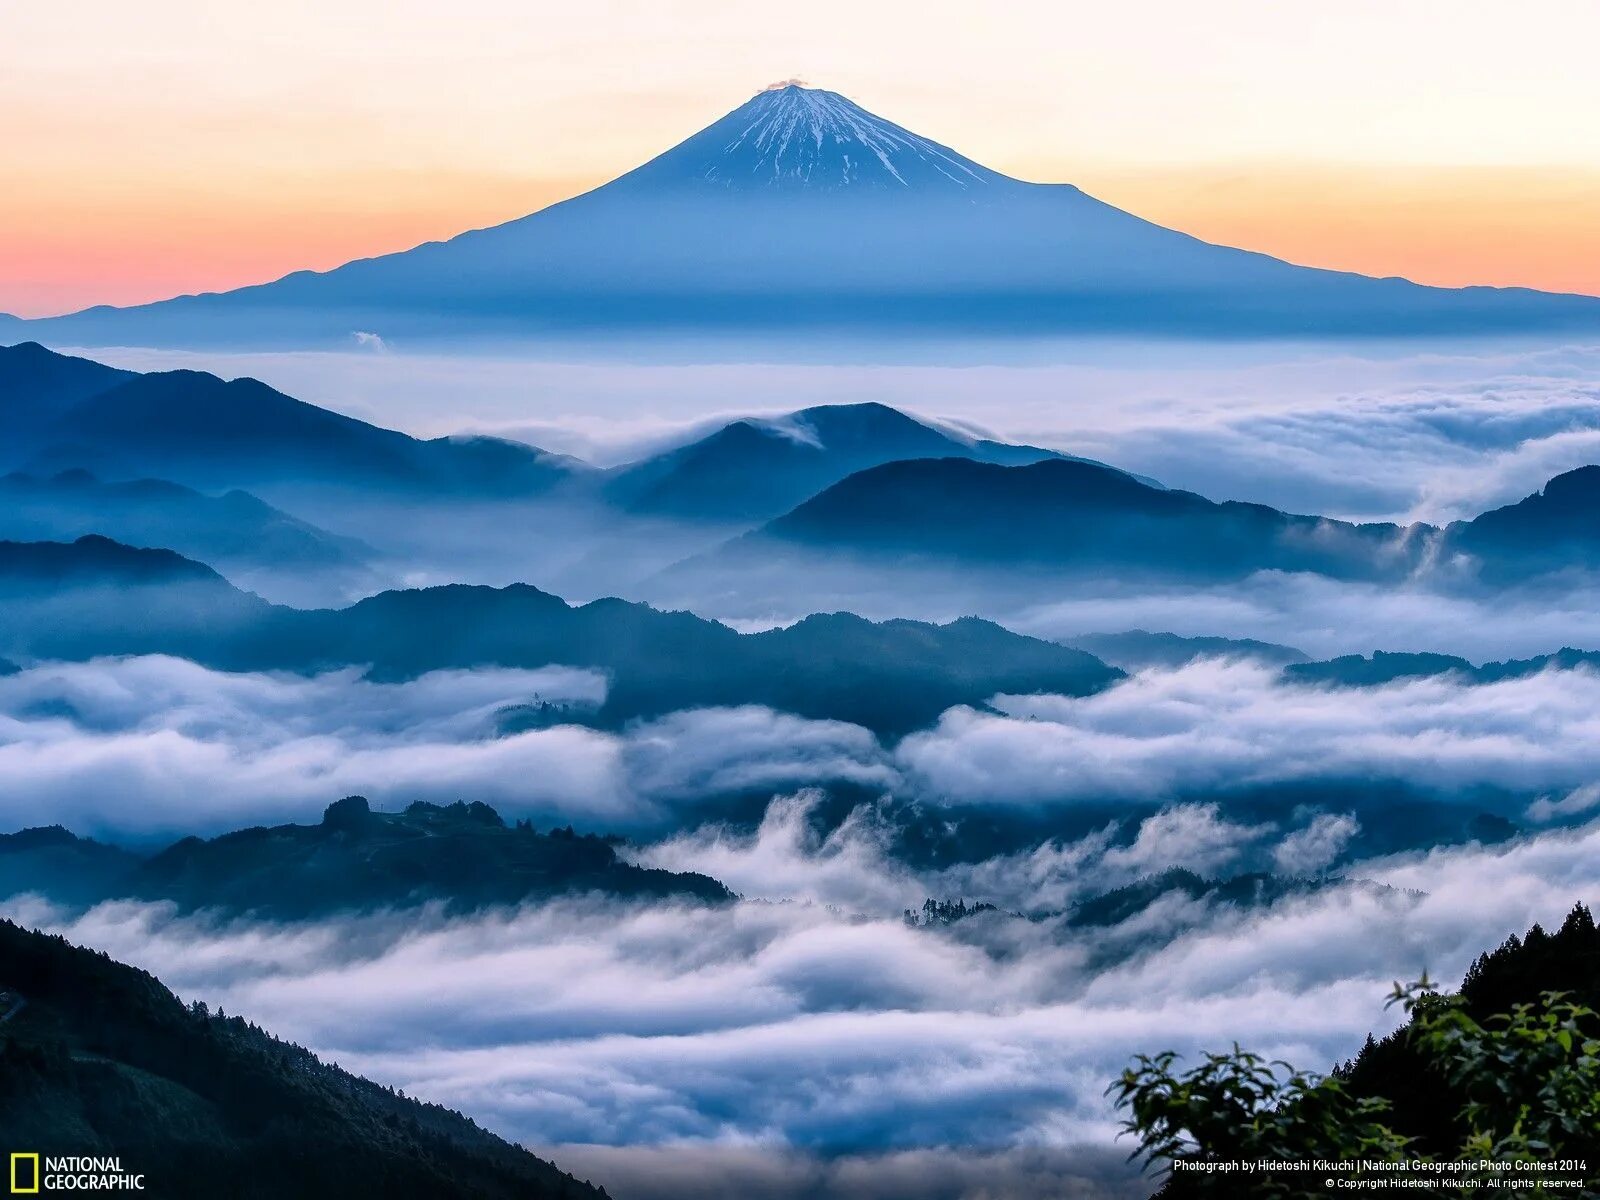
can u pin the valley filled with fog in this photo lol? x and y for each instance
(877, 901)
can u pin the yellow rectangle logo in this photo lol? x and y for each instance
(16, 1184)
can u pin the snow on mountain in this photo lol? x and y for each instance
(799, 137)
(800, 213)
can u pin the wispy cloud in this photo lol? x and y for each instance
(589, 1022)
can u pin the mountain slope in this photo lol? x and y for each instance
(75, 600)
(1384, 667)
(798, 213)
(1061, 517)
(101, 1059)
(232, 530)
(1519, 971)
(94, 597)
(755, 469)
(963, 528)
(53, 862)
(199, 429)
(461, 855)
(37, 385)
(1136, 649)
(1557, 527)
(96, 562)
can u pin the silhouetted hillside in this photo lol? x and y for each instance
(1139, 648)
(96, 597)
(55, 863)
(1557, 527)
(232, 530)
(1064, 517)
(59, 413)
(755, 469)
(1518, 972)
(100, 1059)
(1355, 670)
(1061, 517)
(38, 386)
(461, 854)
(94, 561)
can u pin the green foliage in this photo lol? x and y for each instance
(104, 1060)
(939, 913)
(1530, 1077)
(1523, 1084)
(1240, 1107)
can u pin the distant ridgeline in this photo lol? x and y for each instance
(839, 496)
(95, 597)
(800, 214)
(98, 1059)
(461, 855)
(1064, 518)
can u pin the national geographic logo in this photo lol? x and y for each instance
(32, 1174)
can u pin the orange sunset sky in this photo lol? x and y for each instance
(181, 146)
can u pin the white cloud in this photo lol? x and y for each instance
(1312, 849)
(149, 746)
(1194, 836)
(1368, 430)
(159, 746)
(1224, 724)
(797, 1027)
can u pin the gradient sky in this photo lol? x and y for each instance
(181, 145)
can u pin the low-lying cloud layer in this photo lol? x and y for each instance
(1326, 617)
(807, 1036)
(854, 866)
(770, 1033)
(1381, 430)
(1224, 724)
(154, 746)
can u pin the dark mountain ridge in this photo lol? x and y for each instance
(754, 469)
(1066, 517)
(39, 386)
(95, 597)
(1556, 528)
(461, 855)
(235, 529)
(1069, 517)
(1384, 666)
(102, 1060)
(196, 428)
(1135, 649)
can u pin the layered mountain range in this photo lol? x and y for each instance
(96, 597)
(963, 522)
(800, 212)
(830, 490)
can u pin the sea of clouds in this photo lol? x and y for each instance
(150, 746)
(1362, 430)
(806, 1037)
(806, 1040)
(791, 1041)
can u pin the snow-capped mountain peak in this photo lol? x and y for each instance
(792, 136)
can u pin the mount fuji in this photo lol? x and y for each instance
(801, 213)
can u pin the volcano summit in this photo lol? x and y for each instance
(801, 213)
